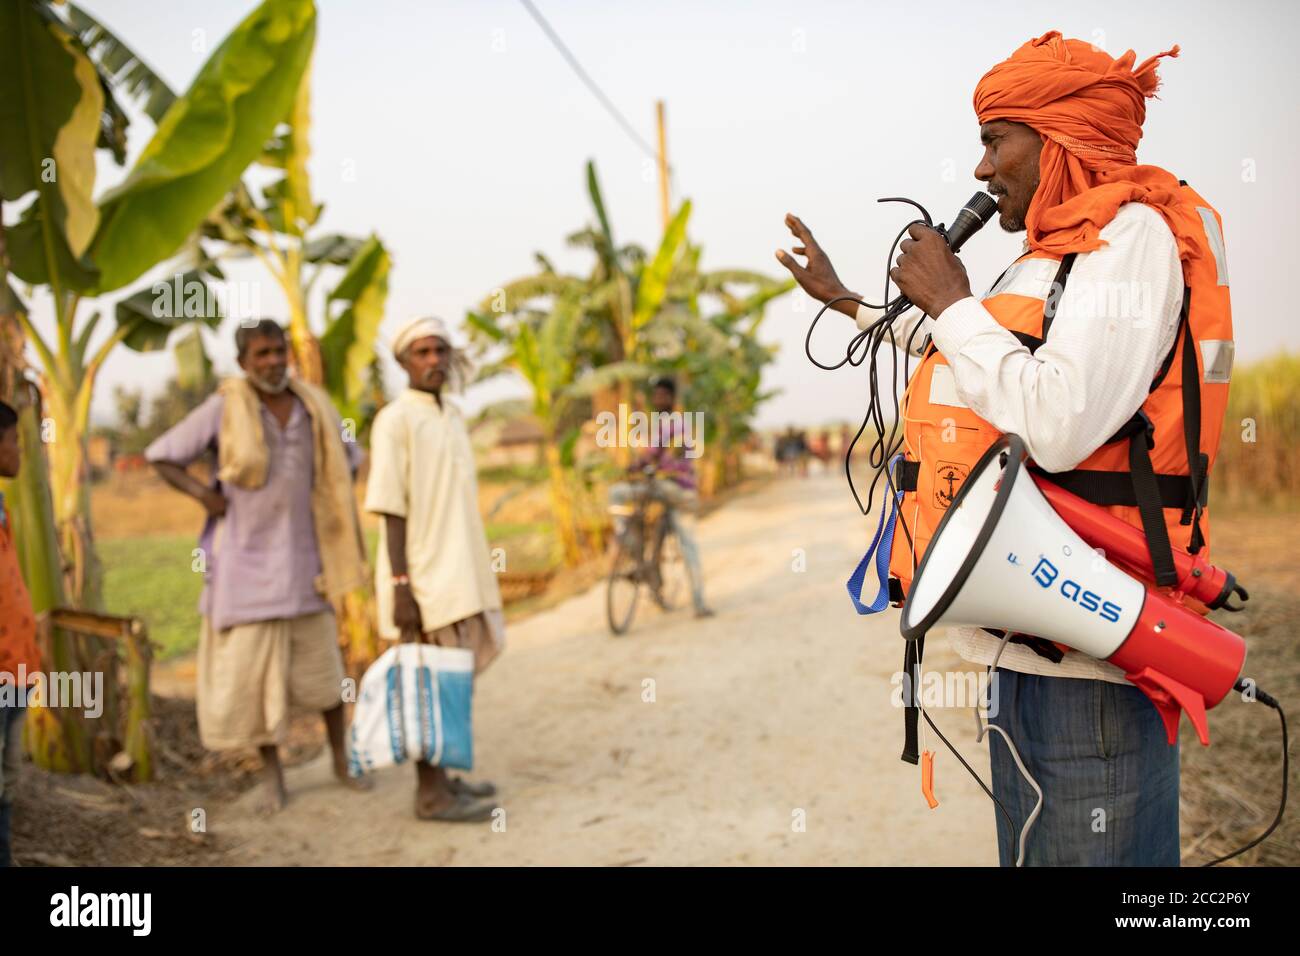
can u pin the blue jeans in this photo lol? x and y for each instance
(1109, 776)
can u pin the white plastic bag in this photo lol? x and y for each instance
(415, 703)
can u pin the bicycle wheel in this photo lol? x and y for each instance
(624, 584)
(674, 579)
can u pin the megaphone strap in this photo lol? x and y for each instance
(881, 547)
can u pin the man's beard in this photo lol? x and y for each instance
(263, 385)
(1012, 223)
(1008, 221)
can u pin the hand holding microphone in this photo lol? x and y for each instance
(928, 272)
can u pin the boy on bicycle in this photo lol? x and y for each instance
(672, 481)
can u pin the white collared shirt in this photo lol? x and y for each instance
(1114, 325)
(422, 469)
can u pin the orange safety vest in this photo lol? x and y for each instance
(1152, 473)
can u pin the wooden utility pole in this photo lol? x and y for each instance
(664, 209)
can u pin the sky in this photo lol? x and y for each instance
(458, 134)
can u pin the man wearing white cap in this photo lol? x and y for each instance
(433, 576)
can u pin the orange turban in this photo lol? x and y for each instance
(1089, 109)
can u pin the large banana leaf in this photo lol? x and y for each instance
(301, 212)
(155, 311)
(334, 249)
(193, 367)
(30, 259)
(756, 302)
(604, 239)
(205, 140)
(49, 124)
(654, 277)
(288, 205)
(125, 69)
(486, 327)
(348, 345)
(513, 295)
(607, 376)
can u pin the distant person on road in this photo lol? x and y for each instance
(792, 452)
(282, 541)
(846, 439)
(434, 581)
(673, 482)
(819, 447)
(20, 659)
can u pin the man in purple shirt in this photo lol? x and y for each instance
(268, 640)
(673, 481)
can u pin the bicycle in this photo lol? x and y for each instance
(653, 560)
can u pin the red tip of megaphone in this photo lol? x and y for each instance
(1181, 661)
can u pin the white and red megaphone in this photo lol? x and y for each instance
(1004, 557)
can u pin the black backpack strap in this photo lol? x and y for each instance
(1107, 488)
(1150, 507)
(912, 654)
(1198, 463)
(1055, 293)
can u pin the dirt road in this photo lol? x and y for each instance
(770, 739)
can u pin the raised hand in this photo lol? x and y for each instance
(817, 277)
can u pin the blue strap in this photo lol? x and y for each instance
(881, 547)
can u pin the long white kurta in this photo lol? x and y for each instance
(422, 469)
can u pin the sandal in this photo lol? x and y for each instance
(459, 785)
(463, 809)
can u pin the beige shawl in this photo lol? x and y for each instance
(242, 460)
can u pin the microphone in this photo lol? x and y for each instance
(979, 209)
(972, 218)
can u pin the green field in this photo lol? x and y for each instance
(150, 578)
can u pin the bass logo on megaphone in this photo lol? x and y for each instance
(1045, 572)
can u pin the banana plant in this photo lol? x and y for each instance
(642, 313)
(79, 247)
(277, 229)
(56, 739)
(58, 79)
(194, 371)
(721, 358)
(543, 354)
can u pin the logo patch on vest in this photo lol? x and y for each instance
(948, 476)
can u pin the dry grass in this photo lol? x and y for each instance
(1230, 789)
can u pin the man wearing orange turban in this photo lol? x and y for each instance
(1060, 122)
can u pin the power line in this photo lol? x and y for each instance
(586, 79)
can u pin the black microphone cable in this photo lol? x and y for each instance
(869, 341)
(1269, 701)
(866, 345)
